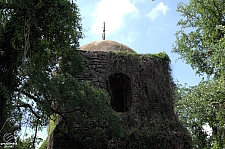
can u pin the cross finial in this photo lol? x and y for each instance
(103, 34)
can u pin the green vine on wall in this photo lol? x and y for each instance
(151, 123)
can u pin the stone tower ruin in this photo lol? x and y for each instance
(141, 90)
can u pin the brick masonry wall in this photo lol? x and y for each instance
(100, 65)
(147, 76)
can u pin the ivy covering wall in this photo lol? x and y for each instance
(148, 119)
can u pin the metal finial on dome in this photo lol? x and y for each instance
(103, 34)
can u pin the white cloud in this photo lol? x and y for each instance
(131, 37)
(139, 1)
(156, 29)
(155, 12)
(113, 13)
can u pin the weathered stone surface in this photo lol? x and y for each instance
(150, 88)
(107, 46)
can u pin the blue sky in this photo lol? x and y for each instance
(146, 26)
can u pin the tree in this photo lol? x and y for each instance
(200, 42)
(200, 106)
(35, 35)
(38, 64)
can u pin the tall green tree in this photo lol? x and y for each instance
(36, 36)
(38, 64)
(200, 42)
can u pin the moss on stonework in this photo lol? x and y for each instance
(149, 120)
(161, 55)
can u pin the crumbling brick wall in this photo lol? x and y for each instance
(150, 90)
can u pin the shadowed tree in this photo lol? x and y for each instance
(38, 64)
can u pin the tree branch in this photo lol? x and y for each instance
(35, 135)
(31, 109)
(30, 96)
(60, 113)
(217, 9)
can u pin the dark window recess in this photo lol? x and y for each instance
(119, 89)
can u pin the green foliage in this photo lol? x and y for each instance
(200, 42)
(44, 145)
(26, 143)
(51, 126)
(203, 105)
(86, 112)
(36, 37)
(151, 123)
(38, 65)
(161, 55)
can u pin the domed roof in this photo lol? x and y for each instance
(107, 46)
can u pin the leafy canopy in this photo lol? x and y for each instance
(200, 42)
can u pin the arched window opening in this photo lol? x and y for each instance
(119, 88)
